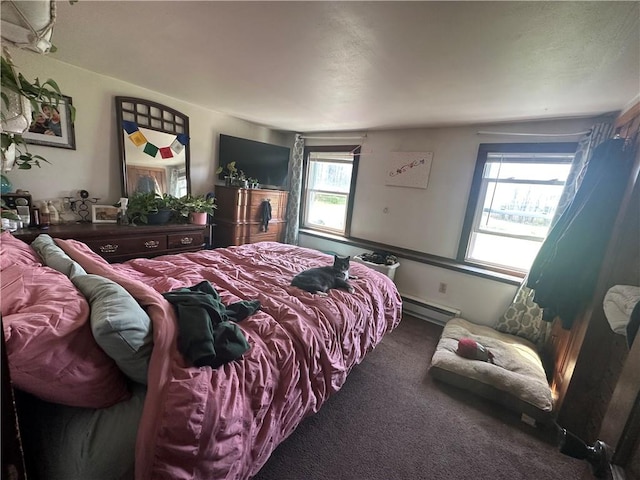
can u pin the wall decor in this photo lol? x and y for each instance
(104, 214)
(52, 125)
(409, 169)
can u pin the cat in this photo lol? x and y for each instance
(320, 279)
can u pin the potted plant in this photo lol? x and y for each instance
(18, 91)
(230, 173)
(241, 180)
(253, 182)
(150, 208)
(195, 208)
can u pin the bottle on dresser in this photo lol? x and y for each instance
(122, 218)
(54, 216)
(44, 216)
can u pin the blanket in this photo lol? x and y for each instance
(204, 423)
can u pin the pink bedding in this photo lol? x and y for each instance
(200, 423)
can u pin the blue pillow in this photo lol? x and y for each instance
(119, 324)
(53, 256)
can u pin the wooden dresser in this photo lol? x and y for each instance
(117, 243)
(239, 216)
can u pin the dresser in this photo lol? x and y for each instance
(117, 243)
(240, 216)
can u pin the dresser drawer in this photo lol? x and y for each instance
(128, 245)
(275, 233)
(185, 240)
(275, 198)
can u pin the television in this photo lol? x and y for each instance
(263, 161)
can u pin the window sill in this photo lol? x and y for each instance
(420, 257)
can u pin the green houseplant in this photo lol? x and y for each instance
(190, 206)
(150, 208)
(16, 87)
(230, 172)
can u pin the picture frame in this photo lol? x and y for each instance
(409, 169)
(104, 214)
(43, 129)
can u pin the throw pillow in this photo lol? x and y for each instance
(119, 324)
(49, 345)
(54, 257)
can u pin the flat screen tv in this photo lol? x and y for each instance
(268, 163)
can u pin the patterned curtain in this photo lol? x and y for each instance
(295, 190)
(598, 134)
(524, 317)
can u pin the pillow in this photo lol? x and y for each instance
(523, 318)
(51, 351)
(54, 257)
(119, 325)
(16, 252)
(515, 378)
(63, 443)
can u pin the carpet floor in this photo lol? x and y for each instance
(392, 421)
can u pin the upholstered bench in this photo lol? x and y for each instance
(516, 379)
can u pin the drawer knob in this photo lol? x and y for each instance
(108, 248)
(152, 244)
(186, 240)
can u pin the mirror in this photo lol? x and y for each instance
(153, 141)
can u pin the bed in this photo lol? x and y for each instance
(107, 361)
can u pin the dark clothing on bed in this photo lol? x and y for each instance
(207, 334)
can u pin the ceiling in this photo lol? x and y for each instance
(347, 66)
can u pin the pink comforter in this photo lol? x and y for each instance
(200, 423)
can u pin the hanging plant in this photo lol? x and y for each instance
(14, 148)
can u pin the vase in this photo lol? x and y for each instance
(159, 218)
(198, 218)
(5, 184)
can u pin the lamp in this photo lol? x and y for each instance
(28, 24)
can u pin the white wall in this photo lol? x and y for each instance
(95, 164)
(427, 220)
(430, 220)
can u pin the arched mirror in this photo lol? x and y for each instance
(153, 140)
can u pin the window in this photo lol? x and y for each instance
(329, 184)
(515, 191)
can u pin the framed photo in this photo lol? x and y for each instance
(104, 214)
(52, 126)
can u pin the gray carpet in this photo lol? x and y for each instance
(392, 421)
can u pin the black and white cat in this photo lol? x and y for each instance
(320, 279)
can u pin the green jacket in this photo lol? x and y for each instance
(207, 332)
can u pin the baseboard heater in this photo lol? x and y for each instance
(432, 312)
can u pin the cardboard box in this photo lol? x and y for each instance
(388, 270)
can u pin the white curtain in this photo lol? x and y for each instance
(295, 191)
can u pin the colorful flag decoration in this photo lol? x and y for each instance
(129, 127)
(150, 149)
(166, 152)
(138, 139)
(177, 147)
